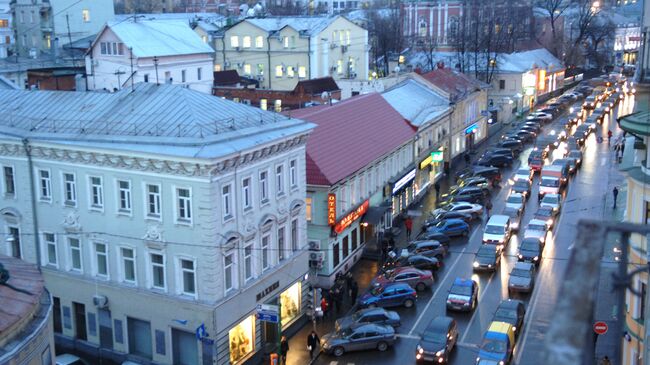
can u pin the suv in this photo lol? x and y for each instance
(463, 295)
(391, 295)
(438, 340)
(515, 146)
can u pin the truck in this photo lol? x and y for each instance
(553, 179)
(498, 344)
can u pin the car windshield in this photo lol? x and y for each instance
(377, 290)
(520, 272)
(515, 199)
(535, 161)
(346, 332)
(544, 213)
(461, 290)
(536, 227)
(505, 313)
(550, 200)
(436, 337)
(496, 346)
(529, 246)
(552, 182)
(485, 253)
(491, 229)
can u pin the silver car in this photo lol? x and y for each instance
(552, 200)
(536, 228)
(356, 338)
(369, 315)
(522, 278)
(516, 201)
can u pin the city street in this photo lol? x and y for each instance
(588, 196)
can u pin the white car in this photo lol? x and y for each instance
(462, 207)
(516, 201)
(552, 200)
(542, 115)
(536, 228)
(68, 359)
(523, 174)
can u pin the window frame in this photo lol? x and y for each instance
(85, 15)
(293, 173)
(187, 205)
(95, 260)
(151, 265)
(259, 41)
(46, 251)
(91, 193)
(232, 267)
(129, 195)
(147, 194)
(70, 267)
(265, 250)
(5, 189)
(247, 193)
(293, 235)
(65, 184)
(122, 266)
(281, 239)
(181, 272)
(264, 187)
(199, 73)
(249, 261)
(227, 208)
(279, 180)
(234, 41)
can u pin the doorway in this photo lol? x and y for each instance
(105, 329)
(80, 321)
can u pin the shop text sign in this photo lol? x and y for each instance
(268, 313)
(351, 217)
(331, 209)
(267, 291)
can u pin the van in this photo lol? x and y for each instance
(497, 230)
(553, 179)
(498, 344)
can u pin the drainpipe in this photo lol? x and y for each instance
(268, 55)
(32, 188)
(309, 59)
(223, 51)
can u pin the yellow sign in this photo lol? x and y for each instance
(426, 162)
(541, 80)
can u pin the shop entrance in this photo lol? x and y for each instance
(469, 142)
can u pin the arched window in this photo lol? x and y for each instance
(422, 28)
(453, 28)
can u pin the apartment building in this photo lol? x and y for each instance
(6, 32)
(163, 218)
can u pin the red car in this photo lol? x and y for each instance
(417, 279)
(536, 164)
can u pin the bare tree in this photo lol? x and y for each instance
(585, 13)
(385, 32)
(555, 10)
(289, 8)
(598, 33)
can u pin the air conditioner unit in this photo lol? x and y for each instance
(318, 256)
(353, 75)
(344, 49)
(333, 45)
(260, 77)
(100, 301)
(314, 245)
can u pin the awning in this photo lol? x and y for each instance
(374, 214)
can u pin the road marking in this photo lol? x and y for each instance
(410, 337)
(467, 345)
(480, 299)
(570, 247)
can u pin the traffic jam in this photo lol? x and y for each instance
(555, 137)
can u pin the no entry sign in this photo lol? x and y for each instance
(600, 328)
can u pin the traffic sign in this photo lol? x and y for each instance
(268, 313)
(600, 328)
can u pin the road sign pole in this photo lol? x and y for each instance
(279, 325)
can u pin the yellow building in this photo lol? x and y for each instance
(280, 51)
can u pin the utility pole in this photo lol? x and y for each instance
(119, 82)
(155, 65)
(132, 75)
(67, 20)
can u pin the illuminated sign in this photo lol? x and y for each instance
(437, 156)
(529, 91)
(528, 80)
(351, 217)
(426, 162)
(541, 80)
(471, 128)
(331, 209)
(403, 181)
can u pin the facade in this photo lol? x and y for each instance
(145, 202)
(6, 32)
(134, 6)
(26, 336)
(156, 51)
(627, 41)
(38, 24)
(359, 156)
(280, 51)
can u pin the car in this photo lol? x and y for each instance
(573, 163)
(463, 295)
(427, 235)
(515, 217)
(437, 341)
(425, 248)
(524, 135)
(369, 315)
(536, 164)
(420, 262)
(498, 151)
(523, 174)
(566, 162)
(476, 181)
(391, 295)
(541, 115)
(69, 359)
(537, 153)
(495, 160)
(470, 194)
(522, 187)
(493, 174)
(522, 278)
(547, 214)
(488, 258)
(576, 155)
(546, 143)
(451, 227)
(530, 250)
(474, 209)
(552, 200)
(511, 311)
(446, 215)
(515, 146)
(418, 279)
(362, 337)
(516, 200)
(497, 345)
(536, 229)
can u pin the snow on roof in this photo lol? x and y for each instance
(527, 60)
(6, 84)
(150, 38)
(308, 24)
(415, 102)
(456, 84)
(173, 16)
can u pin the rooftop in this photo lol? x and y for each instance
(457, 84)
(415, 102)
(17, 305)
(528, 60)
(305, 24)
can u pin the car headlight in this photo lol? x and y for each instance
(440, 353)
(549, 222)
(420, 349)
(448, 301)
(520, 256)
(536, 258)
(500, 240)
(475, 263)
(465, 304)
(514, 328)
(501, 362)
(490, 266)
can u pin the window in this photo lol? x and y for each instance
(101, 255)
(294, 235)
(183, 76)
(69, 189)
(14, 242)
(290, 71)
(96, 193)
(153, 201)
(50, 249)
(308, 205)
(259, 41)
(502, 84)
(279, 180)
(285, 41)
(277, 105)
(260, 69)
(265, 251)
(279, 71)
(22, 16)
(335, 254)
(128, 265)
(4, 23)
(32, 17)
(247, 69)
(281, 246)
(8, 175)
(347, 37)
(188, 277)
(302, 72)
(226, 201)
(198, 73)
(184, 208)
(157, 270)
(263, 105)
(354, 239)
(246, 42)
(246, 193)
(642, 299)
(234, 41)
(111, 48)
(264, 186)
(346, 247)
(339, 67)
(85, 15)
(248, 262)
(293, 173)
(146, 77)
(217, 67)
(124, 196)
(228, 268)
(45, 185)
(75, 254)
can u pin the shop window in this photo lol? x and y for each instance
(302, 72)
(308, 208)
(335, 253)
(354, 239)
(290, 303)
(346, 247)
(241, 339)
(281, 247)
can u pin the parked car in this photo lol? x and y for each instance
(474, 209)
(452, 227)
(537, 229)
(463, 295)
(516, 200)
(369, 315)
(552, 200)
(470, 194)
(530, 250)
(546, 214)
(566, 161)
(418, 279)
(425, 248)
(492, 151)
(495, 160)
(493, 174)
(522, 187)
(488, 258)
(522, 278)
(438, 340)
(436, 218)
(511, 311)
(524, 174)
(362, 337)
(515, 217)
(427, 235)
(419, 262)
(515, 146)
(391, 295)
(476, 181)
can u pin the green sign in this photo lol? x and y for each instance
(437, 156)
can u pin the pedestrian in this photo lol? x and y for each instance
(437, 187)
(408, 223)
(488, 207)
(324, 306)
(605, 361)
(354, 291)
(312, 342)
(609, 137)
(467, 158)
(284, 349)
(615, 192)
(348, 280)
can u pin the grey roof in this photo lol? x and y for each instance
(526, 60)
(173, 16)
(6, 84)
(150, 38)
(307, 24)
(163, 119)
(415, 102)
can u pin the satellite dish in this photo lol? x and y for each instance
(397, 69)
(250, 13)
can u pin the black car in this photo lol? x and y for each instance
(537, 154)
(525, 135)
(522, 187)
(511, 311)
(497, 161)
(492, 151)
(487, 258)
(435, 219)
(460, 197)
(430, 235)
(546, 143)
(546, 214)
(530, 250)
(419, 262)
(516, 146)
(438, 340)
(531, 126)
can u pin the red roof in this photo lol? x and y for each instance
(453, 82)
(350, 135)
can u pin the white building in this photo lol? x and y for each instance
(157, 51)
(160, 215)
(6, 31)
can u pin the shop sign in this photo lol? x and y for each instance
(331, 209)
(528, 80)
(267, 291)
(426, 162)
(471, 128)
(268, 313)
(403, 181)
(351, 217)
(541, 80)
(437, 156)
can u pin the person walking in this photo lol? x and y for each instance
(615, 192)
(605, 361)
(408, 223)
(437, 187)
(488, 207)
(284, 349)
(609, 137)
(354, 291)
(324, 307)
(312, 341)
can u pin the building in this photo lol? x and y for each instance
(229, 85)
(6, 31)
(470, 115)
(158, 195)
(40, 24)
(26, 335)
(359, 156)
(544, 31)
(280, 51)
(137, 6)
(156, 51)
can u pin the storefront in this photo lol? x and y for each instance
(403, 190)
(241, 339)
(428, 171)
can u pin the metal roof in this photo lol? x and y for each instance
(416, 102)
(636, 123)
(308, 24)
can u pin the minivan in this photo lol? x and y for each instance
(497, 230)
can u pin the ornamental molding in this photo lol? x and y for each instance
(71, 222)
